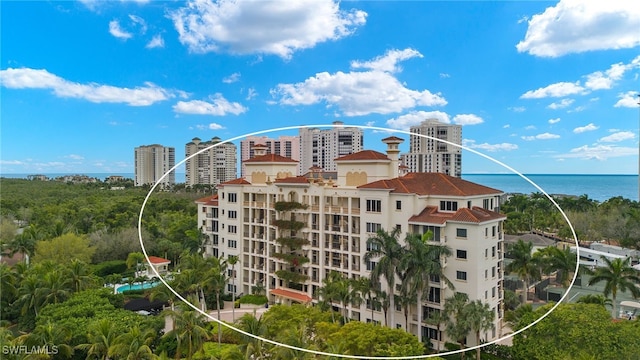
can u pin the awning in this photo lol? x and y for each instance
(292, 295)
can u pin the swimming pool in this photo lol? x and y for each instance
(147, 285)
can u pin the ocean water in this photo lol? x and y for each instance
(597, 187)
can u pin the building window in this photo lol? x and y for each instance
(448, 206)
(399, 228)
(461, 254)
(461, 275)
(232, 244)
(493, 251)
(493, 292)
(233, 214)
(461, 233)
(233, 197)
(434, 295)
(493, 272)
(233, 229)
(398, 205)
(373, 227)
(374, 206)
(493, 231)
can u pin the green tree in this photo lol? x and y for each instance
(523, 264)
(189, 331)
(50, 336)
(367, 339)
(215, 280)
(233, 260)
(437, 318)
(135, 344)
(101, 338)
(24, 244)
(457, 325)
(384, 247)
(618, 274)
(552, 259)
(80, 275)
(63, 249)
(480, 318)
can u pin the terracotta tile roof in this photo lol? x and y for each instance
(364, 155)
(430, 215)
(293, 180)
(431, 184)
(315, 167)
(270, 158)
(238, 181)
(393, 138)
(292, 295)
(209, 200)
(158, 260)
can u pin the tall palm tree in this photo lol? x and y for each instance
(24, 244)
(134, 344)
(457, 326)
(553, 259)
(251, 347)
(421, 261)
(135, 260)
(56, 287)
(523, 264)
(233, 260)
(328, 292)
(480, 318)
(49, 336)
(101, 340)
(385, 247)
(80, 275)
(594, 299)
(215, 281)
(618, 274)
(437, 318)
(29, 294)
(189, 331)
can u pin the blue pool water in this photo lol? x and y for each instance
(146, 285)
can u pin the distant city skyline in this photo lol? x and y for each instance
(529, 82)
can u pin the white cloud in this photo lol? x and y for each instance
(356, 93)
(554, 121)
(138, 21)
(262, 27)
(560, 89)
(629, 99)
(219, 106)
(115, 30)
(467, 119)
(212, 126)
(575, 26)
(231, 78)
(444, 75)
(618, 136)
(387, 62)
(599, 152)
(518, 109)
(75, 157)
(489, 147)
(562, 104)
(406, 121)
(156, 42)
(25, 78)
(251, 93)
(506, 126)
(530, 127)
(581, 129)
(544, 136)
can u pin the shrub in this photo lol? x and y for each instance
(253, 299)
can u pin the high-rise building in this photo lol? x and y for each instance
(152, 162)
(427, 154)
(290, 232)
(287, 146)
(319, 147)
(213, 166)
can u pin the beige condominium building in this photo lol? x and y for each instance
(287, 146)
(152, 162)
(215, 165)
(369, 193)
(428, 154)
(320, 147)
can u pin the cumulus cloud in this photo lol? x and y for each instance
(560, 89)
(543, 136)
(356, 93)
(489, 147)
(231, 78)
(518, 109)
(554, 121)
(628, 99)
(387, 62)
(262, 27)
(156, 42)
(26, 78)
(581, 129)
(406, 121)
(444, 75)
(116, 30)
(561, 104)
(618, 136)
(212, 126)
(598, 152)
(218, 106)
(467, 119)
(575, 26)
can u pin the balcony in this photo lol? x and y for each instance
(210, 215)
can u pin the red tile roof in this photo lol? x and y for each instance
(430, 215)
(209, 200)
(364, 155)
(238, 181)
(270, 158)
(293, 180)
(292, 295)
(431, 184)
(158, 260)
(395, 138)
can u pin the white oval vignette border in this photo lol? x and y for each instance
(144, 203)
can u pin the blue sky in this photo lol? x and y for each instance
(545, 87)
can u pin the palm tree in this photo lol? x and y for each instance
(56, 287)
(24, 244)
(251, 347)
(618, 274)
(80, 275)
(553, 259)
(385, 247)
(480, 318)
(190, 332)
(215, 280)
(437, 318)
(329, 290)
(134, 344)
(365, 291)
(135, 259)
(29, 294)
(102, 338)
(457, 326)
(48, 336)
(513, 317)
(233, 260)
(523, 264)
(594, 299)
(422, 261)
